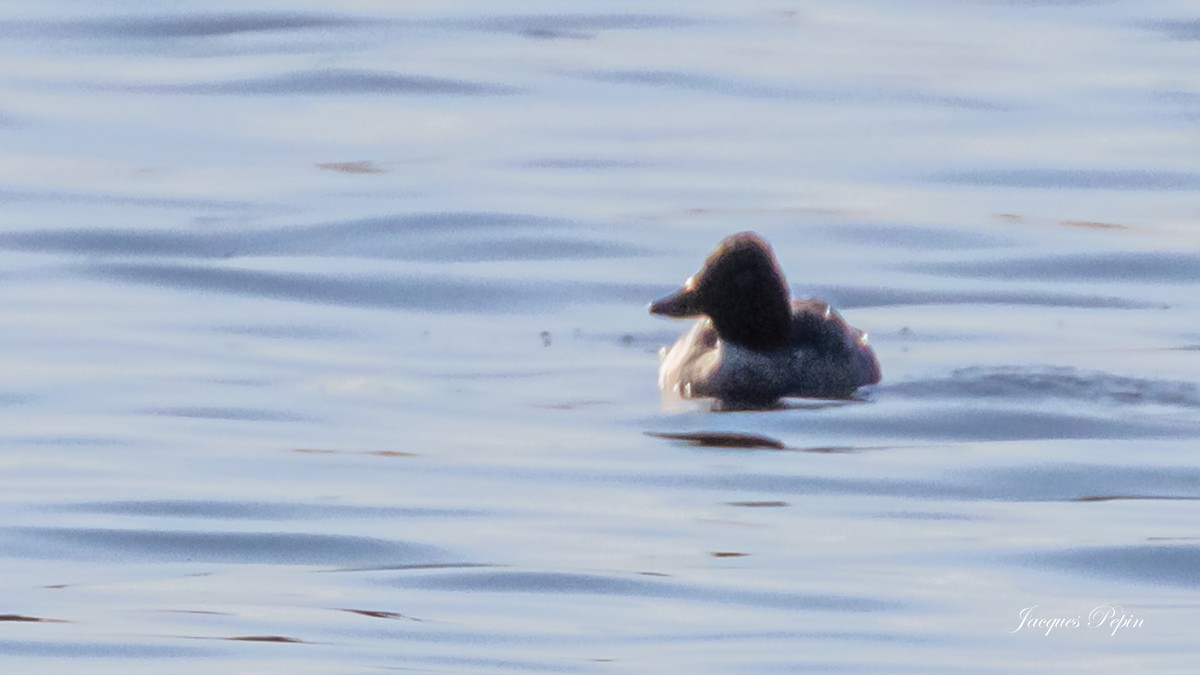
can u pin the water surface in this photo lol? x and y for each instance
(327, 347)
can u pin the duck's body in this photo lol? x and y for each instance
(753, 345)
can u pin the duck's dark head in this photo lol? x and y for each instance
(741, 288)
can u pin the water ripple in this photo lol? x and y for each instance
(1167, 565)
(83, 197)
(1178, 29)
(229, 413)
(913, 237)
(596, 584)
(743, 87)
(330, 81)
(1066, 482)
(573, 26)
(245, 510)
(443, 236)
(1074, 179)
(877, 296)
(168, 26)
(1124, 266)
(429, 293)
(100, 650)
(280, 548)
(1032, 383)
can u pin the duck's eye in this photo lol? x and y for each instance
(690, 284)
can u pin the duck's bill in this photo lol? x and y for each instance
(681, 303)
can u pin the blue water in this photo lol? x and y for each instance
(326, 346)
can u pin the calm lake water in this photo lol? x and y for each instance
(326, 346)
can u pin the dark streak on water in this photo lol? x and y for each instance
(169, 26)
(84, 197)
(1025, 385)
(1075, 179)
(208, 25)
(594, 584)
(1124, 267)
(856, 297)
(1179, 29)
(425, 293)
(231, 414)
(433, 236)
(574, 26)
(242, 510)
(326, 82)
(146, 546)
(1174, 565)
(741, 87)
(1041, 483)
(107, 649)
(914, 237)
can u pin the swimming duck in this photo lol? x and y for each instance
(753, 344)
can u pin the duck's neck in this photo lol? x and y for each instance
(761, 322)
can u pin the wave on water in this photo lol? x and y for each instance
(1051, 382)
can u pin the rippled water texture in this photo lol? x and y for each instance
(326, 346)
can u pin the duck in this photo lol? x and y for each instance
(753, 344)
